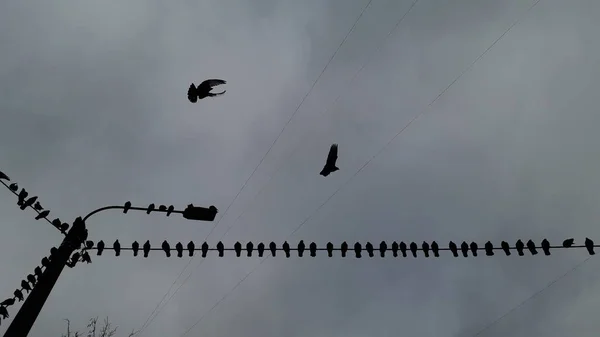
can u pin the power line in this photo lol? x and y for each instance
(268, 151)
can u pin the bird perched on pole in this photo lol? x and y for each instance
(203, 90)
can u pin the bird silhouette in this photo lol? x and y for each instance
(589, 245)
(126, 207)
(190, 247)
(89, 244)
(489, 248)
(56, 223)
(204, 90)
(29, 202)
(162, 208)
(425, 247)
(150, 208)
(31, 279)
(21, 197)
(357, 250)
(453, 248)
(135, 246)
(273, 248)
(100, 247)
(42, 215)
(249, 248)
(38, 272)
(166, 248)
(179, 249)
(238, 248)
(531, 247)
(301, 247)
(329, 249)
(382, 248)
(13, 187)
(3, 176)
(369, 249)
(170, 210)
(568, 243)
(546, 247)
(85, 257)
(53, 252)
(8, 302)
(286, 249)
(395, 249)
(64, 227)
(520, 246)
(403, 248)
(117, 248)
(313, 249)
(4, 312)
(37, 206)
(413, 248)
(330, 164)
(220, 249)
(261, 249)
(204, 249)
(435, 248)
(146, 247)
(464, 247)
(344, 248)
(505, 247)
(474, 248)
(73, 260)
(19, 295)
(45, 262)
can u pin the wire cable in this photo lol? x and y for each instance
(384, 147)
(273, 144)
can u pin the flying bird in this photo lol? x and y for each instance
(203, 90)
(331, 159)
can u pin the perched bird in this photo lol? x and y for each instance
(38, 272)
(89, 244)
(568, 243)
(331, 161)
(126, 207)
(344, 248)
(220, 248)
(382, 248)
(38, 206)
(85, 257)
(146, 248)
(56, 223)
(166, 248)
(589, 245)
(42, 215)
(403, 248)
(435, 249)
(474, 248)
(249, 248)
(29, 202)
(546, 247)
(22, 195)
(190, 247)
(31, 279)
(19, 295)
(117, 248)
(395, 249)
(273, 248)
(329, 249)
(8, 302)
(313, 249)
(179, 249)
(162, 208)
(453, 248)
(150, 208)
(3, 312)
(3, 176)
(505, 247)
(520, 246)
(413, 248)
(135, 246)
(531, 247)
(369, 248)
(64, 227)
(13, 187)
(286, 249)
(238, 248)
(425, 247)
(464, 247)
(170, 210)
(203, 90)
(357, 250)
(100, 247)
(204, 249)
(261, 249)
(489, 248)
(301, 247)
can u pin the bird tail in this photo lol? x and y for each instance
(211, 94)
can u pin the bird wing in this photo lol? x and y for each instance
(211, 83)
(333, 155)
(192, 95)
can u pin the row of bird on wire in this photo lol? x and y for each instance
(403, 248)
(203, 90)
(27, 285)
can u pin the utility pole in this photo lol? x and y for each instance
(27, 315)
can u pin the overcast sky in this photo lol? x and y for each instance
(94, 112)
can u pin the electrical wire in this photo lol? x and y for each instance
(268, 151)
(379, 152)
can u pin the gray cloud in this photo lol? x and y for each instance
(95, 113)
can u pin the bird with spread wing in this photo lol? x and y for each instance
(203, 90)
(331, 161)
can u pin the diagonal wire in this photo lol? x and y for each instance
(270, 147)
(384, 147)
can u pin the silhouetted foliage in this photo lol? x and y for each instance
(204, 90)
(330, 164)
(95, 330)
